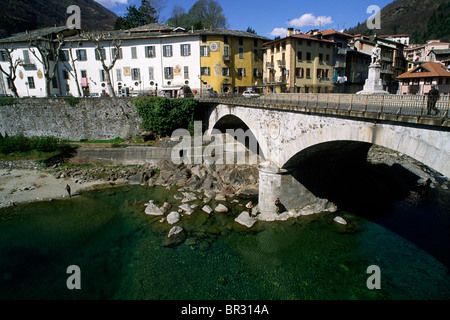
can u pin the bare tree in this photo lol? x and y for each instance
(11, 75)
(73, 72)
(159, 6)
(48, 55)
(98, 38)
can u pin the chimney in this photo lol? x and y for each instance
(290, 32)
(297, 31)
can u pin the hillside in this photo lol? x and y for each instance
(20, 15)
(422, 19)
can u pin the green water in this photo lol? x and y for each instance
(119, 251)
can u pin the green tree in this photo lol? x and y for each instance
(251, 30)
(135, 17)
(207, 14)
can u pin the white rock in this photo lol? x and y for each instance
(340, 220)
(153, 210)
(220, 197)
(207, 209)
(245, 220)
(174, 231)
(188, 196)
(186, 208)
(165, 207)
(173, 217)
(221, 208)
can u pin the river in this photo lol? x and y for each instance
(118, 250)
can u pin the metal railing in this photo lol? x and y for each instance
(398, 105)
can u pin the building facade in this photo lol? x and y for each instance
(421, 79)
(299, 63)
(148, 60)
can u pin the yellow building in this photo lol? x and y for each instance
(231, 61)
(299, 63)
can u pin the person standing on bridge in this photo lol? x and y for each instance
(433, 97)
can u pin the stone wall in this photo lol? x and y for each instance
(92, 118)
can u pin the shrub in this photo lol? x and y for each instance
(72, 101)
(20, 143)
(6, 101)
(162, 116)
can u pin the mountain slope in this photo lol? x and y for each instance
(20, 15)
(417, 18)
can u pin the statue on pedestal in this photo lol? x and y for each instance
(376, 54)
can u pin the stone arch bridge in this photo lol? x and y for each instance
(287, 135)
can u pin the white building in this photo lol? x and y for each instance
(149, 61)
(30, 73)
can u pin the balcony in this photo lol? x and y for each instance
(27, 63)
(340, 64)
(281, 63)
(226, 57)
(269, 65)
(341, 51)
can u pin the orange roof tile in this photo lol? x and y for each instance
(427, 69)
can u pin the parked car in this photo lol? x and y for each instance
(250, 94)
(94, 95)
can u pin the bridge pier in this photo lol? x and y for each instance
(275, 182)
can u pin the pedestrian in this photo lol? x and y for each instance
(433, 97)
(249, 207)
(277, 204)
(68, 191)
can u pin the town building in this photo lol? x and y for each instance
(402, 38)
(420, 79)
(151, 59)
(421, 53)
(21, 59)
(299, 63)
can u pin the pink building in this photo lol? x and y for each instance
(420, 79)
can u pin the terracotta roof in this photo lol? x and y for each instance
(332, 31)
(301, 36)
(427, 70)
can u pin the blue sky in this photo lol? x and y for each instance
(271, 18)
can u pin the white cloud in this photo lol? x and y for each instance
(111, 3)
(279, 32)
(308, 19)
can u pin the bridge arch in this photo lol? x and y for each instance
(415, 143)
(231, 117)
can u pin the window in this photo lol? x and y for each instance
(308, 43)
(428, 80)
(119, 74)
(3, 56)
(150, 73)
(226, 51)
(256, 72)
(308, 72)
(113, 53)
(299, 72)
(55, 83)
(255, 54)
(168, 73)
(102, 75)
(299, 55)
(308, 56)
(241, 53)
(65, 75)
(135, 74)
(185, 50)
(83, 73)
(97, 56)
(167, 50)
(150, 51)
(204, 39)
(299, 42)
(283, 46)
(225, 39)
(320, 57)
(225, 72)
(26, 56)
(81, 55)
(255, 42)
(63, 55)
(320, 73)
(186, 72)
(31, 84)
(241, 41)
(321, 44)
(328, 57)
(204, 51)
(241, 72)
(133, 53)
(205, 71)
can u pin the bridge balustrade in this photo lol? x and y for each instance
(409, 105)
